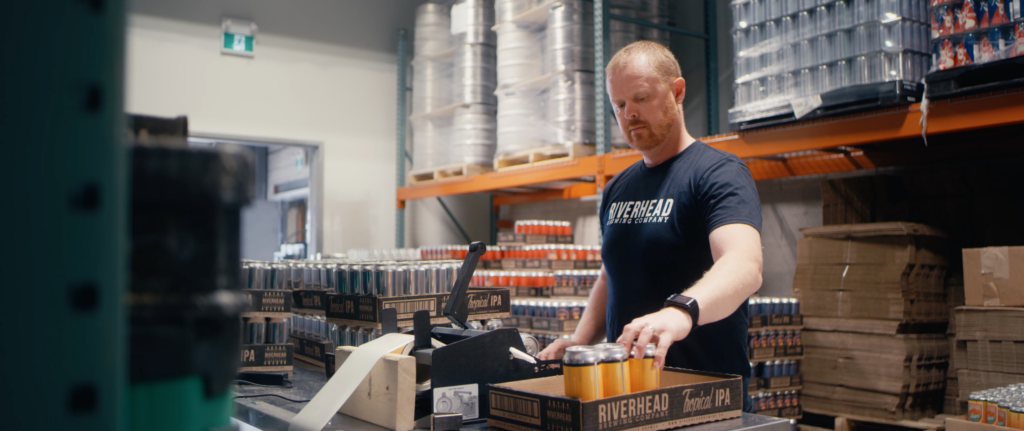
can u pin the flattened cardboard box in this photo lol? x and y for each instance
(915, 307)
(994, 276)
(896, 250)
(267, 357)
(990, 323)
(910, 278)
(921, 346)
(970, 381)
(996, 356)
(365, 310)
(268, 303)
(685, 398)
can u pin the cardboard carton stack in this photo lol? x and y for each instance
(875, 308)
(989, 343)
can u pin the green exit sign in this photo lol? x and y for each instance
(239, 36)
(238, 44)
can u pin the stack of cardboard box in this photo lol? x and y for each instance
(875, 308)
(989, 343)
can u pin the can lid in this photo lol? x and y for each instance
(581, 355)
(613, 352)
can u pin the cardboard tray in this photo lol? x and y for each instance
(686, 398)
(309, 301)
(268, 303)
(365, 310)
(311, 351)
(267, 357)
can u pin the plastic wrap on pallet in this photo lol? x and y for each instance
(622, 33)
(431, 142)
(569, 40)
(519, 54)
(479, 15)
(475, 78)
(570, 108)
(431, 85)
(474, 134)
(505, 10)
(432, 33)
(796, 48)
(521, 119)
(965, 32)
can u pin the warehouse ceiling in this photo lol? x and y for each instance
(361, 24)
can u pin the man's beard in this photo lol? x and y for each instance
(654, 136)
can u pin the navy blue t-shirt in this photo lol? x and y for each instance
(656, 223)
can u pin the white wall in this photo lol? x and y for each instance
(292, 89)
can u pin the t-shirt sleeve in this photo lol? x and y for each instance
(728, 195)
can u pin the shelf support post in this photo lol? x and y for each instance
(400, 123)
(711, 63)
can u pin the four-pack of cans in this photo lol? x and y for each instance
(966, 32)
(774, 338)
(775, 400)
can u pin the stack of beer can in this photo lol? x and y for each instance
(787, 338)
(775, 400)
(778, 368)
(264, 330)
(1003, 407)
(608, 370)
(563, 310)
(543, 227)
(387, 278)
(758, 306)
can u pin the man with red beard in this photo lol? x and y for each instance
(682, 248)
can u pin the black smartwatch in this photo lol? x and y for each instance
(686, 303)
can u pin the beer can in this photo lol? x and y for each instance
(255, 331)
(531, 344)
(366, 285)
(402, 279)
(614, 369)
(493, 324)
(325, 276)
(365, 335)
(644, 376)
(332, 333)
(580, 371)
(277, 330)
(388, 287)
(341, 279)
(1002, 411)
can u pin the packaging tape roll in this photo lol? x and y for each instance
(333, 395)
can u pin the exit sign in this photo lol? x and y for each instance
(238, 38)
(238, 43)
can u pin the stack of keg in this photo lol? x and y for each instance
(569, 43)
(520, 109)
(474, 131)
(432, 86)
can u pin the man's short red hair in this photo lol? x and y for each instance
(662, 62)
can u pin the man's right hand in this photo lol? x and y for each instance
(556, 350)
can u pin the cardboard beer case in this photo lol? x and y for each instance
(686, 397)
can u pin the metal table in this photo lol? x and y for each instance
(273, 414)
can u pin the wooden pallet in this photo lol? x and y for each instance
(542, 156)
(458, 170)
(849, 422)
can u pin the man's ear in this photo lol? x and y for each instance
(679, 88)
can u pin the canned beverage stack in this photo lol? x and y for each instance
(543, 227)
(965, 32)
(793, 48)
(777, 368)
(775, 400)
(562, 310)
(608, 370)
(774, 338)
(1003, 406)
(757, 306)
(552, 252)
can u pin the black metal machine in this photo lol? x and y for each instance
(469, 356)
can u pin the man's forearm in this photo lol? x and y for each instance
(726, 286)
(592, 324)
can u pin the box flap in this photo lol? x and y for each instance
(863, 230)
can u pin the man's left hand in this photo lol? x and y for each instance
(663, 328)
